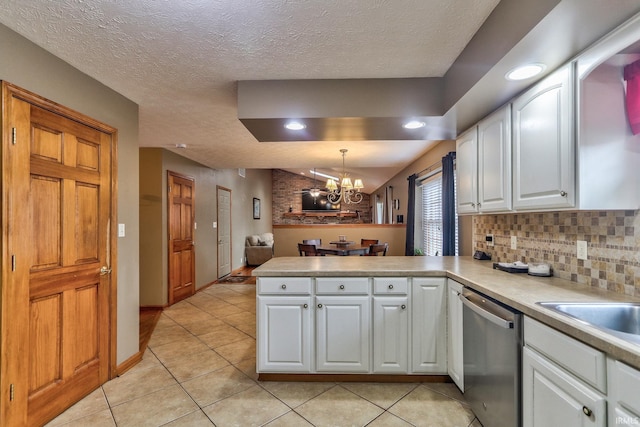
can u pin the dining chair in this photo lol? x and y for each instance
(307, 250)
(376, 249)
(368, 242)
(317, 242)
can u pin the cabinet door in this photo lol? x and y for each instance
(390, 335)
(467, 171)
(429, 326)
(284, 337)
(343, 333)
(543, 144)
(455, 364)
(494, 161)
(624, 394)
(552, 397)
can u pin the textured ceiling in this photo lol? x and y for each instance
(181, 60)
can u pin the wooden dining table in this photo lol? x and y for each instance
(343, 250)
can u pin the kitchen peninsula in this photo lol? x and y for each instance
(315, 282)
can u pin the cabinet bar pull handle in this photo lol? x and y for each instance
(284, 286)
(390, 286)
(588, 412)
(319, 305)
(306, 306)
(341, 286)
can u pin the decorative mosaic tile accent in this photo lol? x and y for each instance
(613, 244)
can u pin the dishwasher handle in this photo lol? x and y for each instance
(493, 318)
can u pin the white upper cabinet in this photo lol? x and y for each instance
(494, 161)
(543, 144)
(467, 171)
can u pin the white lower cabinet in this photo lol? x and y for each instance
(284, 335)
(390, 335)
(455, 362)
(342, 333)
(429, 327)
(552, 397)
(624, 394)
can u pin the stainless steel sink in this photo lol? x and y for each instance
(619, 319)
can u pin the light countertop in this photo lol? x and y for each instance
(519, 291)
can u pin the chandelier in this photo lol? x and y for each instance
(348, 192)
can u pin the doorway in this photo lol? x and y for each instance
(182, 204)
(58, 271)
(223, 196)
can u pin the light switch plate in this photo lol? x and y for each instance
(489, 239)
(514, 242)
(121, 231)
(582, 249)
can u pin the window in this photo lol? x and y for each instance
(431, 221)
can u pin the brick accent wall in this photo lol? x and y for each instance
(286, 186)
(613, 244)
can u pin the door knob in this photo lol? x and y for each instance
(104, 270)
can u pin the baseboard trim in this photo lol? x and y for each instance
(372, 378)
(129, 363)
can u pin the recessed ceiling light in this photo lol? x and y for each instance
(525, 72)
(414, 124)
(181, 145)
(295, 126)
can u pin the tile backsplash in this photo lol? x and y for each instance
(613, 244)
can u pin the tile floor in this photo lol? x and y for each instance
(199, 370)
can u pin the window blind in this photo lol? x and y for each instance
(432, 215)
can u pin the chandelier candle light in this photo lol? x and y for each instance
(348, 192)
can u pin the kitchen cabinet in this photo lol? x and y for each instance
(467, 171)
(429, 327)
(342, 333)
(494, 161)
(390, 325)
(543, 144)
(284, 334)
(563, 380)
(455, 361)
(624, 398)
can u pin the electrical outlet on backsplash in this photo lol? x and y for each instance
(613, 240)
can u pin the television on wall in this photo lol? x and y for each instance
(320, 203)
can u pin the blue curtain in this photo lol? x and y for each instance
(411, 216)
(448, 206)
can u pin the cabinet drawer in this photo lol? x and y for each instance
(284, 285)
(390, 285)
(584, 361)
(342, 285)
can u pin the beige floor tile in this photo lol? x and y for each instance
(251, 407)
(248, 367)
(93, 403)
(180, 348)
(338, 407)
(475, 423)
(249, 329)
(237, 299)
(448, 389)
(240, 318)
(196, 364)
(381, 394)
(168, 335)
(290, 419)
(249, 306)
(154, 409)
(194, 419)
(191, 315)
(217, 385)
(148, 360)
(228, 310)
(295, 394)
(223, 335)
(103, 418)
(389, 420)
(238, 351)
(202, 327)
(425, 407)
(136, 383)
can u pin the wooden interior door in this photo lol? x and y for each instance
(57, 288)
(181, 227)
(224, 231)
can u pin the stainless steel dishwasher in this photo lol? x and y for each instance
(492, 341)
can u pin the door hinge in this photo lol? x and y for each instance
(14, 136)
(11, 393)
(13, 263)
